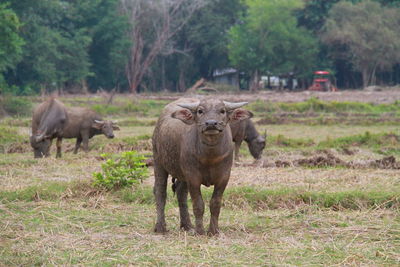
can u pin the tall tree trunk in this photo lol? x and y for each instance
(373, 76)
(181, 84)
(255, 82)
(365, 77)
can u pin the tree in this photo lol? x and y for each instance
(55, 51)
(154, 24)
(110, 43)
(268, 39)
(10, 41)
(201, 46)
(367, 34)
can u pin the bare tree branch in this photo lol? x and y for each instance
(154, 23)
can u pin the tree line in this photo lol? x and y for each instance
(153, 45)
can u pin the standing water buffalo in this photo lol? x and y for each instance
(52, 119)
(192, 142)
(245, 130)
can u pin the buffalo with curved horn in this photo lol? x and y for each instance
(192, 142)
(52, 119)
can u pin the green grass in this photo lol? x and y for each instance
(384, 143)
(151, 108)
(134, 140)
(9, 136)
(317, 112)
(235, 197)
(381, 143)
(16, 106)
(319, 106)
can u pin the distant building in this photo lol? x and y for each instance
(276, 82)
(228, 76)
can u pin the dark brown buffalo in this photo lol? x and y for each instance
(192, 142)
(52, 120)
(245, 130)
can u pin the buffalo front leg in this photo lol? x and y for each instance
(160, 194)
(215, 207)
(58, 145)
(182, 193)
(198, 207)
(77, 144)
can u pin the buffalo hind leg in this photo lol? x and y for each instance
(215, 207)
(85, 141)
(58, 145)
(160, 194)
(77, 144)
(182, 194)
(198, 207)
(237, 148)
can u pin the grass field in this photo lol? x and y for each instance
(278, 214)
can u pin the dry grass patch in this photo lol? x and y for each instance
(73, 233)
(326, 179)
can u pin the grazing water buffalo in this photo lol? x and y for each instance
(245, 130)
(52, 120)
(48, 121)
(192, 142)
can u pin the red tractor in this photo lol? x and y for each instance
(322, 82)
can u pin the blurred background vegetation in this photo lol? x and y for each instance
(147, 45)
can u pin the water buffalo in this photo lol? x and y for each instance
(52, 119)
(192, 142)
(245, 130)
(48, 122)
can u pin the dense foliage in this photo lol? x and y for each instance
(269, 40)
(153, 45)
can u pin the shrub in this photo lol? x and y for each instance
(126, 169)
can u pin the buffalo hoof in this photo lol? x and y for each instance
(160, 228)
(200, 231)
(186, 227)
(212, 232)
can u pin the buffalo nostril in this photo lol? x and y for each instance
(211, 123)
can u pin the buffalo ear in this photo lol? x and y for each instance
(184, 115)
(97, 125)
(240, 114)
(116, 128)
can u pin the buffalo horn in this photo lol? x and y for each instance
(191, 106)
(100, 122)
(232, 106)
(39, 138)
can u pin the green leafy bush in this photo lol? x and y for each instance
(127, 169)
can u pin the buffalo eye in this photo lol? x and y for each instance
(222, 111)
(200, 111)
